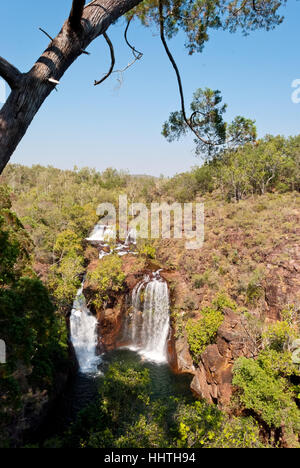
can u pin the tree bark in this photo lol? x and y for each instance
(29, 90)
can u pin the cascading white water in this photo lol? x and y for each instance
(83, 327)
(150, 320)
(101, 233)
(131, 237)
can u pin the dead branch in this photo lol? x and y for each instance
(136, 54)
(46, 34)
(9, 73)
(76, 14)
(51, 39)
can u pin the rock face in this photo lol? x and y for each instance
(110, 327)
(179, 356)
(282, 283)
(213, 377)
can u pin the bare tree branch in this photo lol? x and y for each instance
(76, 14)
(9, 73)
(46, 34)
(137, 56)
(188, 121)
(113, 60)
(51, 39)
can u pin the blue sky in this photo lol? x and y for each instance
(121, 126)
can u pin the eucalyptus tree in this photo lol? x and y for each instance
(86, 22)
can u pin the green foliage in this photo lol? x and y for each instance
(207, 121)
(197, 19)
(241, 169)
(207, 278)
(35, 336)
(203, 332)
(15, 246)
(9, 251)
(67, 243)
(277, 363)
(65, 278)
(239, 433)
(5, 201)
(123, 399)
(125, 415)
(222, 301)
(241, 131)
(146, 249)
(65, 275)
(213, 135)
(280, 336)
(198, 424)
(265, 393)
(254, 289)
(107, 278)
(203, 426)
(198, 281)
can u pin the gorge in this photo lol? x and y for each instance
(143, 336)
(146, 327)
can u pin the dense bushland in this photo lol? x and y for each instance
(35, 335)
(125, 415)
(45, 213)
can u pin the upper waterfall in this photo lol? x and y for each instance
(150, 319)
(101, 233)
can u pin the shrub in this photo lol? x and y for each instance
(108, 277)
(265, 394)
(198, 281)
(238, 433)
(279, 336)
(208, 277)
(254, 289)
(189, 304)
(203, 332)
(222, 301)
(147, 250)
(198, 424)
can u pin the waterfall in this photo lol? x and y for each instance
(150, 320)
(131, 237)
(101, 233)
(83, 327)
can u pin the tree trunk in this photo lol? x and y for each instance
(32, 88)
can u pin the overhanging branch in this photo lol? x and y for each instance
(113, 60)
(76, 14)
(9, 73)
(136, 54)
(188, 121)
(23, 104)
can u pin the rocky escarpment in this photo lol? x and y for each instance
(213, 376)
(251, 253)
(250, 256)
